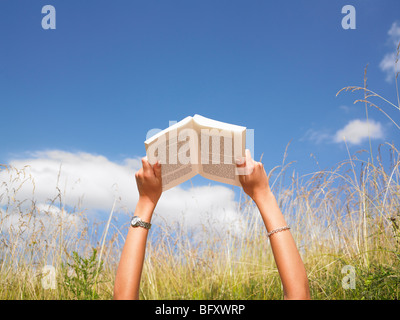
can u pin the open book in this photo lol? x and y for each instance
(197, 145)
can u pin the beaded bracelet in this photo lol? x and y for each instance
(277, 230)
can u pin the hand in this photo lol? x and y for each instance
(287, 258)
(254, 180)
(148, 180)
(127, 279)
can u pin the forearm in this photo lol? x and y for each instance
(130, 267)
(289, 263)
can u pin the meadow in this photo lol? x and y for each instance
(345, 221)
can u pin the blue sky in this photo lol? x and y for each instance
(112, 70)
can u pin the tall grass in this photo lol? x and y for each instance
(337, 220)
(346, 216)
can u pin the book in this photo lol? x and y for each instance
(197, 145)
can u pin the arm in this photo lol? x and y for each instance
(290, 266)
(127, 280)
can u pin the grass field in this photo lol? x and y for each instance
(345, 222)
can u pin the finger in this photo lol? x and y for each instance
(138, 174)
(242, 176)
(241, 169)
(249, 162)
(157, 169)
(258, 166)
(146, 165)
(243, 161)
(240, 162)
(248, 157)
(244, 165)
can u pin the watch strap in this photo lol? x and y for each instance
(140, 223)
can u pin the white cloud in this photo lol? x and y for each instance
(394, 33)
(345, 108)
(356, 131)
(388, 63)
(211, 207)
(44, 221)
(93, 182)
(316, 136)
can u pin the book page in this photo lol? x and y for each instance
(210, 123)
(177, 150)
(220, 144)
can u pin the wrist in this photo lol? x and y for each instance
(147, 201)
(264, 195)
(270, 211)
(144, 208)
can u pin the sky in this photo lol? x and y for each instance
(82, 97)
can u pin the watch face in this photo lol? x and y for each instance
(135, 221)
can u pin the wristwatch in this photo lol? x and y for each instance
(137, 222)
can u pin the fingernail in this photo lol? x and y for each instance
(239, 160)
